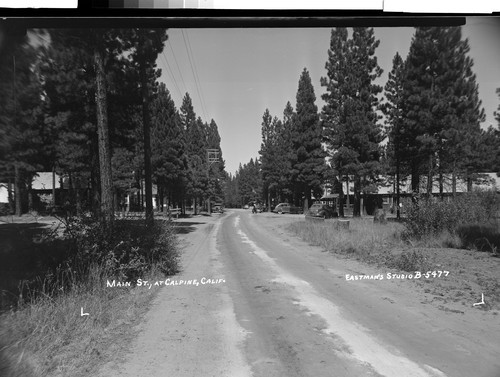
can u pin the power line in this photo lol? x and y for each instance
(171, 73)
(177, 64)
(169, 69)
(194, 74)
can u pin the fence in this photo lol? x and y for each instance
(167, 215)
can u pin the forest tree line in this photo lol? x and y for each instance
(87, 105)
(424, 122)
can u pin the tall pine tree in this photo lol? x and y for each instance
(350, 121)
(308, 159)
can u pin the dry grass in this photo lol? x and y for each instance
(49, 337)
(374, 243)
(44, 333)
(382, 245)
(364, 237)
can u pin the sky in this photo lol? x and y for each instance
(233, 75)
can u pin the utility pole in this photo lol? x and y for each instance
(212, 157)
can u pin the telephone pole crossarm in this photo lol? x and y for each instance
(212, 157)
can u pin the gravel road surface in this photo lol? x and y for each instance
(252, 300)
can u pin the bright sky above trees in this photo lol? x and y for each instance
(238, 73)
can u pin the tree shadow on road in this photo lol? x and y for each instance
(184, 227)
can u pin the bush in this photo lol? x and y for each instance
(5, 209)
(126, 251)
(128, 248)
(433, 216)
(480, 237)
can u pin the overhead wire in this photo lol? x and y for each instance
(177, 64)
(169, 69)
(171, 74)
(194, 74)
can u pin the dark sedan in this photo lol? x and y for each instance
(322, 210)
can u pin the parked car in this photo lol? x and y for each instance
(217, 209)
(246, 206)
(286, 208)
(322, 210)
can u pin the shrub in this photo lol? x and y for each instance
(126, 251)
(5, 209)
(433, 216)
(128, 248)
(480, 237)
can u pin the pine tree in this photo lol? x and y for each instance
(70, 111)
(216, 170)
(308, 160)
(443, 111)
(76, 73)
(249, 182)
(147, 44)
(21, 119)
(268, 156)
(393, 111)
(169, 161)
(286, 153)
(349, 117)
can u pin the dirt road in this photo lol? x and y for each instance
(254, 301)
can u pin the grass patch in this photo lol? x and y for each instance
(408, 261)
(388, 247)
(364, 237)
(49, 337)
(374, 243)
(56, 275)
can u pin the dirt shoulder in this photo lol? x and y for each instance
(470, 273)
(400, 313)
(191, 329)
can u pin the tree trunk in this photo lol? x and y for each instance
(78, 202)
(429, 178)
(115, 201)
(357, 197)
(441, 188)
(398, 209)
(268, 199)
(95, 194)
(160, 198)
(107, 211)
(454, 181)
(17, 189)
(308, 198)
(348, 199)
(53, 186)
(341, 198)
(147, 144)
(469, 183)
(71, 192)
(10, 198)
(415, 177)
(30, 193)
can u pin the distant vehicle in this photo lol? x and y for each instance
(217, 209)
(286, 208)
(246, 206)
(322, 210)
